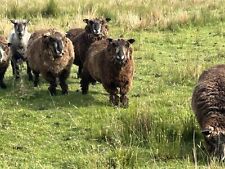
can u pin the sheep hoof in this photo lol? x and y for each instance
(64, 92)
(3, 86)
(115, 100)
(30, 78)
(84, 92)
(52, 91)
(124, 101)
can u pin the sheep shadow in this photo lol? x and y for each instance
(28, 97)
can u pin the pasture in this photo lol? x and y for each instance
(175, 41)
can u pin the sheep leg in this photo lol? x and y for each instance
(62, 81)
(85, 81)
(36, 78)
(2, 74)
(113, 93)
(15, 68)
(123, 98)
(52, 80)
(30, 76)
(79, 71)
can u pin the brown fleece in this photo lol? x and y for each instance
(40, 58)
(100, 66)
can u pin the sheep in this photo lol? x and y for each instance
(73, 33)
(96, 29)
(17, 42)
(52, 55)
(4, 60)
(110, 62)
(209, 107)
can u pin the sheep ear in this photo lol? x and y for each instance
(108, 19)
(13, 21)
(45, 35)
(26, 21)
(85, 20)
(131, 41)
(109, 40)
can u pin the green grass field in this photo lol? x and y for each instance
(157, 130)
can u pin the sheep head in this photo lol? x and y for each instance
(97, 27)
(120, 50)
(20, 27)
(54, 42)
(215, 141)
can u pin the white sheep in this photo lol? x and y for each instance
(18, 41)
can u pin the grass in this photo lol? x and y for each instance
(158, 130)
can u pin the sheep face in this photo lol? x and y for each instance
(20, 27)
(215, 141)
(120, 50)
(55, 44)
(97, 27)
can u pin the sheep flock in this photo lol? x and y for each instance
(51, 54)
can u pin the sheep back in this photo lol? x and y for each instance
(208, 100)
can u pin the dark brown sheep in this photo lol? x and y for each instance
(4, 60)
(111, 63)
(96, 29)
(73, 33)
(208, 103)
(52, 55)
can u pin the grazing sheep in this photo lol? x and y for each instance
(17, 42)
(208, 103)
(52, 55)
(4, 60)
(111, 63)
(96, 29)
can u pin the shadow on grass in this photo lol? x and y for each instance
(23, 94)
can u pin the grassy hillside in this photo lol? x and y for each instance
(175, 41)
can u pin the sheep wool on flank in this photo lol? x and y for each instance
(4, 60)
(208, 103)
(73, 33)
(17, 41)
(50, 54)
(95, 30)
(111, 63)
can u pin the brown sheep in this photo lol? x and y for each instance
(4, 60)
(96, 29)
(52, 55)
(73, 33)
(111, 63)
(208, 103)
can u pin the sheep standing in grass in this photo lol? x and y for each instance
(208, 103)
(4, 60)
(52, 55)
(17, 41)
(111, 63)
(95, 30)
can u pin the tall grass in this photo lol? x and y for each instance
(162, 14)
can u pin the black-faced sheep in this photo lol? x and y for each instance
(52, 55)
(4, 60)
(96, 29)
(111, 63)
(208, 103)
(17, 42)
